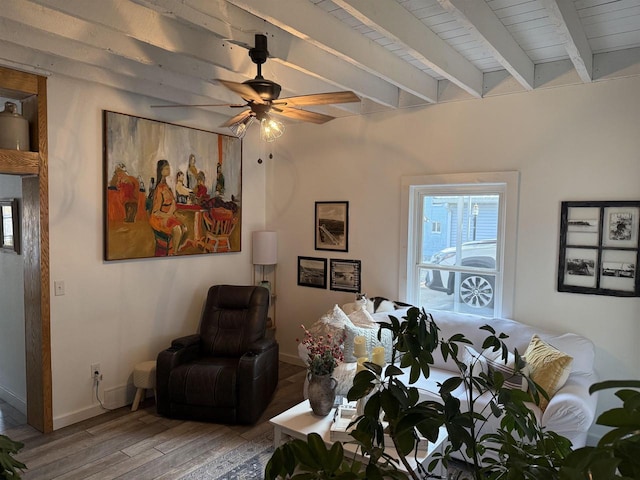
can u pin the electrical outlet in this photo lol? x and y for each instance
(95, 367)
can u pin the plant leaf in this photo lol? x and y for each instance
(335, 457)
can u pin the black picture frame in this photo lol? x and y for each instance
(345, 275)
(599, 248)
(312, 272)
(10, 225)
(332, 226)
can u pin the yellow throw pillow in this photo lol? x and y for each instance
(549, 367)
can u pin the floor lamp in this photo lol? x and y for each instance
(265, 252)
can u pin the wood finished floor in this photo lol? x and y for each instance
(10, 417)
(142, 445)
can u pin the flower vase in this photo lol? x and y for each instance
(322, 393)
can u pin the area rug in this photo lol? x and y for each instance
(249, 461)
(252, 468)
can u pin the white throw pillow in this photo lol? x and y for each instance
(577, 347)
(471, 358)
(332, 322)
(371, 340)
(362, 319)
(495, 363)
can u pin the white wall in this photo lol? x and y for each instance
(120, 313)
(570, 143)
(13, 380)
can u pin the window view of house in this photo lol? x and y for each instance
(460, 238)
(458, 264)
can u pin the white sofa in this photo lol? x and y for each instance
(571, 410)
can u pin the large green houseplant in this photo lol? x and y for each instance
(617, 454)
(519, 449)
(10, 468)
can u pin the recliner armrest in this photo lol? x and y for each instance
(261, 345)
(257, 378)
(182, 350)
(186, 341)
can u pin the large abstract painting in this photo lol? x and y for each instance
(169, 190)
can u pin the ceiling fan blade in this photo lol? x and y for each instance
(232, 105)
(244, 90)
(236, 118)
(319, 99)
(304, 115)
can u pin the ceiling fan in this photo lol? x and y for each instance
(261, 97)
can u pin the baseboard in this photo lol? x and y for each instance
(292, 359)
(111, 399)
(120, 396)
(13, 400)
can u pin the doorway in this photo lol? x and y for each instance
(32, 168)
(34, 360)
(13, 375)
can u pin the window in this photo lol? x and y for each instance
(460, 242)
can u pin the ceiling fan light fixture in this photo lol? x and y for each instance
(270, 128)
(263, 95)
(239, 129)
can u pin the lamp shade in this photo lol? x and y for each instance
(239, 129)
(270, 128)
(265, 248)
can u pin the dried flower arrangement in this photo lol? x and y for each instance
(324, 352)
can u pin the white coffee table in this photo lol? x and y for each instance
(299, 421)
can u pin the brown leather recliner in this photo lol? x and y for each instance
(228, 372)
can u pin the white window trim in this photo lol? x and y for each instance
(508, 236)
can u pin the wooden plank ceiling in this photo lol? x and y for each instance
(392, 53)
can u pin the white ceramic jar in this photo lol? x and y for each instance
(14, 128)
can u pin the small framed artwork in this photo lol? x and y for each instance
(620, 227)
(332, 226)
(599, 248)
(345, 275)
(580, 267)
(10, 226)
(312, 272)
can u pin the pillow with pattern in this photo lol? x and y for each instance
(495, 363)
(332, 322)
(471, 358)
(362, 319)
(550, 367)
(371, 340)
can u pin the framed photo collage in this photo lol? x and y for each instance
(599, 250)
